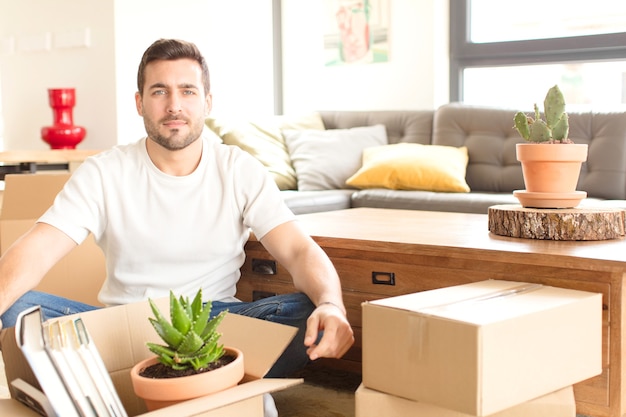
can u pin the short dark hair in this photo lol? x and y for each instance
(169, 50)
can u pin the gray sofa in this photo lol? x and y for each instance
(492, 172)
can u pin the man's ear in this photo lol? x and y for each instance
(208, 105)
(138, 104)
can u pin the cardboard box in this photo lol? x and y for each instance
(484, 347)
(80, 274)
(120, 334)
(371, 403)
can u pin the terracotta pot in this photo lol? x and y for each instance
(160, 393)
(551, 171)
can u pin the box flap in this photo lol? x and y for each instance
(13, 408)
(442, 296)
(224, 398)
(198, 406)
(474, 303)
(28, 196)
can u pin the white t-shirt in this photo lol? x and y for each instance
(160, 232)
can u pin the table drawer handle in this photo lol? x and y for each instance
(263, 266)
(383, 278)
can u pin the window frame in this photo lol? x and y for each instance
(466, 54)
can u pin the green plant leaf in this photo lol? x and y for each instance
(521, 124)
(200, 322)
(561, 129)
(180, 319)
(190, 344)
(554, 106)
(170, 335)
(196, 306)
(212, 325)
(539, 131)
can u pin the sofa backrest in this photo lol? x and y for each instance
(413, 126)
(489, 135)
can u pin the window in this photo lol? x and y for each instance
(503, 58)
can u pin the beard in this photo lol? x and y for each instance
(174, 140)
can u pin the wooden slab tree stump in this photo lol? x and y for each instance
(557, 224)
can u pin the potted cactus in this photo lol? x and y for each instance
(550, 161)
(191, 363)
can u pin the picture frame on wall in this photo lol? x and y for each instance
(356, 32)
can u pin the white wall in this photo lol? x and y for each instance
(415, 77)
(235, 37)
(28, 69)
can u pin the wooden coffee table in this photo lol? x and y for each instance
(381, 253)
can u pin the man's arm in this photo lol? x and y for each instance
(28, 260)
(314, 274)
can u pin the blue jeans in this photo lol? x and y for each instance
(290, 309)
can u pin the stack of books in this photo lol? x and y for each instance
(68, 367)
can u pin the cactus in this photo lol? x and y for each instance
(556, 126)
(191, 338)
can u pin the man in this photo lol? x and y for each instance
(173, 211)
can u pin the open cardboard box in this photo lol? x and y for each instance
(483, 347)
(26, 198)
(120, 334)
(371, 403)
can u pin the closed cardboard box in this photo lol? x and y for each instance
(484, 347)
(371, 403)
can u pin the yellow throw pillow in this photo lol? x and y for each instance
(263, 139)
(411, 166)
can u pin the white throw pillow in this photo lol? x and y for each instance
(263, 139)
(325, 159)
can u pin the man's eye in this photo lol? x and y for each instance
(189, 92)
(158, 92)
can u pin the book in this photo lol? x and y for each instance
(76, 380)
(68, 366)
(29, 336)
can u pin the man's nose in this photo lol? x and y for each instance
(173, 106)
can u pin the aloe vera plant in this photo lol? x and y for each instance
(191, 338)
(554, 129)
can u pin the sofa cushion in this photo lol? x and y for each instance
(302, 202)
(474, 202)
(263, 139)
(411, 166)
(324, 160)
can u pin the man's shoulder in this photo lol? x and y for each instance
(120, 152)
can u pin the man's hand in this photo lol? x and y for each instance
(337, 337)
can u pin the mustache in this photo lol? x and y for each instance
(172, 118)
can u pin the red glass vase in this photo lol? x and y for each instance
(63, 134)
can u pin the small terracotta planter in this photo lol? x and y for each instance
(551, 174)
(163, 392)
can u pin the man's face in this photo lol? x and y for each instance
(173, 105)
